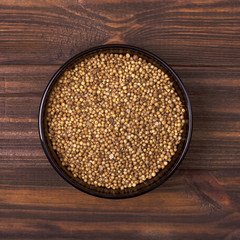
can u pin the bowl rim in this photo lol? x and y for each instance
(55, 77)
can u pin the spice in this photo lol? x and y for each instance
(115, 120)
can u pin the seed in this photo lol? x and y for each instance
(127, 55)
(135, 57)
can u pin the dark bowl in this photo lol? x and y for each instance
(162, 175)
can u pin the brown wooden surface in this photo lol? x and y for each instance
(200, 40)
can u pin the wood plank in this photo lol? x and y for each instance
(113, 229)
(214, 93)
(192, 33)
(36, 204)
(200, 40)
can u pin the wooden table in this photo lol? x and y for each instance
(200, 40)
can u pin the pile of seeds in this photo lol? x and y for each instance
(115, 120)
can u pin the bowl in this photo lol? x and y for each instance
(147, 185)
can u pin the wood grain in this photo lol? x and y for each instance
(203, 199)
(195, 32)
(200, 40)
(216, 126)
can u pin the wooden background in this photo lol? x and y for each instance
(200, 40)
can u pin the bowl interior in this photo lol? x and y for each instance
(148, 184)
